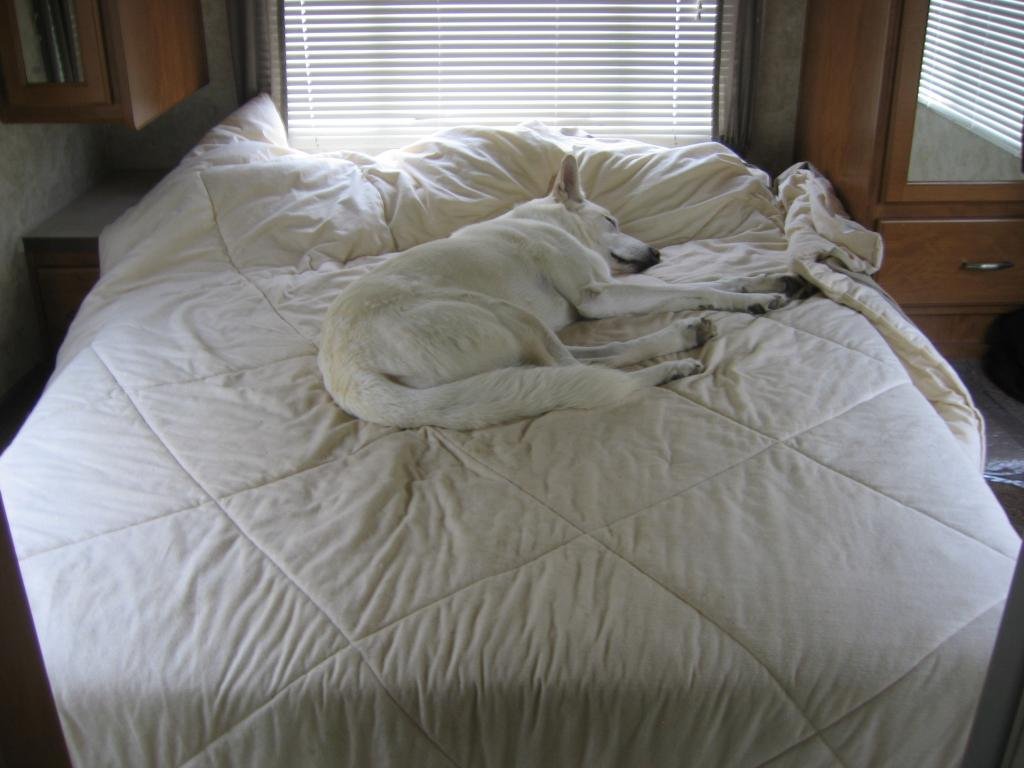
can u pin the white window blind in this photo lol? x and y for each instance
(373, 75)
(973, 67)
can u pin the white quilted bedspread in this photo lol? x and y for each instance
(789, 560)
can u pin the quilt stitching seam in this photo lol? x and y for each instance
(833, 417)
(888, 687)
(249, 280)
(685, 490)
(274, 480)
(288, 579)
(678, 597)
(118, 387)
(942, 643)
(232, 372)
(119, 529)
(824, 421)
(466, 452)
(387, 692)
(757, 660)
(464, 587)
(773, 442)
(214, 499)
(897, 501)
(806, 740)
(463, 452)
(885, 363)
(302, 470)
(231, 728)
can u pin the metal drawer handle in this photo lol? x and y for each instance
(985, 266)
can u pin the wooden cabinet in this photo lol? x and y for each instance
(63, 251)
(112, 61)
(954, 245)
(63, 279)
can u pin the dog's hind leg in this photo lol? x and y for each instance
(676, 337)
(546, 348)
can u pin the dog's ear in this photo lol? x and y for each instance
(567, 183)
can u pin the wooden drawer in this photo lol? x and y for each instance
(61, 291)
(924, 261)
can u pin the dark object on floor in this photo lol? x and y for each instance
(1004, 358)
(1012, 498)
(16, 404)
(1004, 427)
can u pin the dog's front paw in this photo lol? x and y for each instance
(705, 331)
(682, 368)
(792, 285)
(796, 287)
(775, 302)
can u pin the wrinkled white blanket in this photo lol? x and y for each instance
(790, 559)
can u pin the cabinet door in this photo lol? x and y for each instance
(958, 103)
(62, 291)
(52, 55)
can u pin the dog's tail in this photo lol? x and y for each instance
(488, 398)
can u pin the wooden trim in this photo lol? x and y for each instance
(884, 124)
(846, 85)
(955, 210)
(960, 309)
(30, 730)
(91, 113)
(157, 52)
(63, 253)
(50, 251)
(115, 55)
(897, 187)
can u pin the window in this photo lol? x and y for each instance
(372, 75)
(973, 71)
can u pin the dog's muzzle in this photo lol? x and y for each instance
(649, 259)
(653, 258)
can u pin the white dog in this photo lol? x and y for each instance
(460, 332)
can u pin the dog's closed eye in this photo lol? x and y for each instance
(610, 220)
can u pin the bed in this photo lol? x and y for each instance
(791, 559)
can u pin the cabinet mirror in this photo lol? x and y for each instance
(970, 98)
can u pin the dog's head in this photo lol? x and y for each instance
(624, 254)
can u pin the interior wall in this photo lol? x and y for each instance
(42, 168)
(777, 86)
